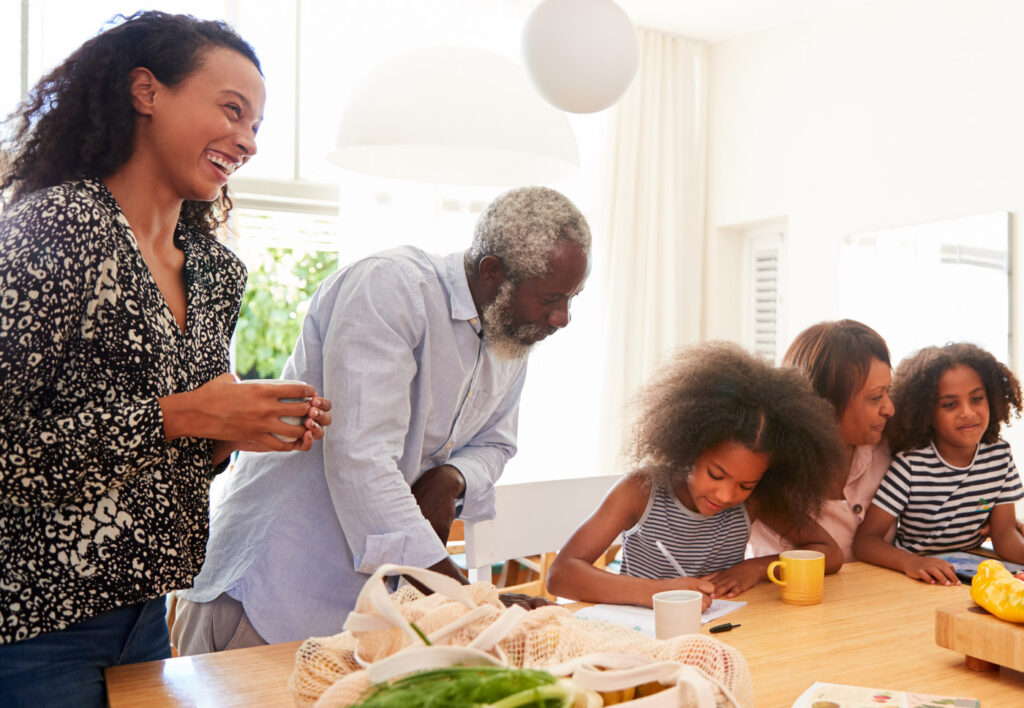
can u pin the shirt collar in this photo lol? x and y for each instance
(460, 299)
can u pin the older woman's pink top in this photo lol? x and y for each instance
(840, 517)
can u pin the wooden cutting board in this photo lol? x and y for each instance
(972, 631)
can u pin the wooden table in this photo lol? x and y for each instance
(875, 628)
(242, 677)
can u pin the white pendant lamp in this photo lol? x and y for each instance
(454, 115)
(580, 54)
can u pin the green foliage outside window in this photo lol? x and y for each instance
(275, 303)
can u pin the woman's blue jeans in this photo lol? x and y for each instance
(65, 668)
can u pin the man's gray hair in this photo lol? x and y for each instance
(522, 227)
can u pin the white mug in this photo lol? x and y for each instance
(677, 612)
(289, 419)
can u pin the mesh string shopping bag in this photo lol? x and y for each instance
(469, 625)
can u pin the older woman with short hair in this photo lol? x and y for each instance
(849, 366)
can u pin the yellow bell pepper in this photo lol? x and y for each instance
(611, 698)
(649, 689)
(995, 589)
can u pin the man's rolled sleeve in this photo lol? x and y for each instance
(417, 548)
(478, 499)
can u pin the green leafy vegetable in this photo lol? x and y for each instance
(470, 687)
(420, 634)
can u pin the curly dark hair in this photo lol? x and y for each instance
(79, 121)
(915, 392)
(717, 392)
(836, 356)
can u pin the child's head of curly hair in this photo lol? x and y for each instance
(915, 392)
(716, 393)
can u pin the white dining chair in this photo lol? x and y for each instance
(532, 519)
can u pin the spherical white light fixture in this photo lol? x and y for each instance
(454, 115)
(580, 54)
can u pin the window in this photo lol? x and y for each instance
(57, 27)
(288, 255)
(958, 284)
(10, 56)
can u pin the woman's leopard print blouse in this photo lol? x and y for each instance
(97, 509)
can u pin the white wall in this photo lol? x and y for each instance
(888, 113)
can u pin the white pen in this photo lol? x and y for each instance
(664, 552)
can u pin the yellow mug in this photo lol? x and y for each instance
(803, 576)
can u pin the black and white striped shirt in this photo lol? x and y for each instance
(700, 544)
(940, 507)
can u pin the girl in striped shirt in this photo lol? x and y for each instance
(953, 479)
(724, 438)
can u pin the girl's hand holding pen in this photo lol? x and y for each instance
(690, 583)
(705, 588)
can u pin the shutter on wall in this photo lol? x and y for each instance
(763, 316)
(764, 268)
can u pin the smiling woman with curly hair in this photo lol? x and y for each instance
(723, 438)
(116, 402)
(953, 478)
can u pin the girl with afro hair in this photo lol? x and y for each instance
(723, 438)
(952, 477)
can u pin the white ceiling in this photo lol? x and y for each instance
(717, 20)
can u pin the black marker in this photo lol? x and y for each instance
(723, 627)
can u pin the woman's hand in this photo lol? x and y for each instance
(314, 422)
(737, 579)
(247, 415)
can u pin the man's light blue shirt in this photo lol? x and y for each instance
(394, 342)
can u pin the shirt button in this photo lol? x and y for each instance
(473, 321)
(469, 395)
(857, 508)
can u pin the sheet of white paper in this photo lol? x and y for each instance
(642, 618)
(717, 609)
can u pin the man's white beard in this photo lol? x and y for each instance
(506, 340)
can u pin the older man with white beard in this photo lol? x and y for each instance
(424, 357)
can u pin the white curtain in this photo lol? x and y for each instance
(654, 254)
